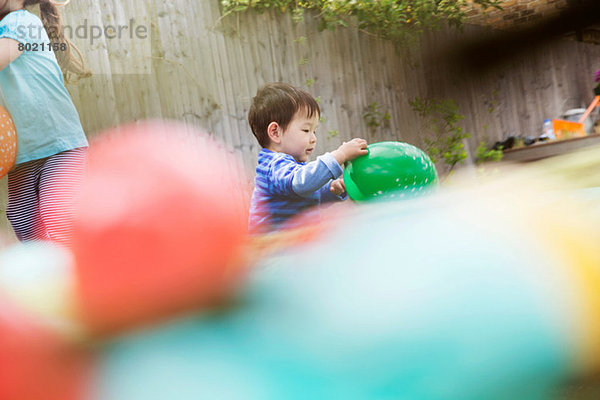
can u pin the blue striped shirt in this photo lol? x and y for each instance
(284, 187)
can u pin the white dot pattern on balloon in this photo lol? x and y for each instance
(8, 145)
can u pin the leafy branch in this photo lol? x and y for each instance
(484, 154)
(397, 20)
(441, 118)
(374, 117)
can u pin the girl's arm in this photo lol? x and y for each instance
(9, 51)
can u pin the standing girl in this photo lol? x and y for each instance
(51, 141)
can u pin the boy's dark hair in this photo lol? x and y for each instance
(278, 102)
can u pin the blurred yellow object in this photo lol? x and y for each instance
(38, 277)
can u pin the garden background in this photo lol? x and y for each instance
(198, 67)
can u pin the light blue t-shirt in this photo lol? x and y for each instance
(34, 92)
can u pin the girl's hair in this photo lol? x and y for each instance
(70, 61)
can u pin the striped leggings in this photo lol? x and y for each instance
(41, 194)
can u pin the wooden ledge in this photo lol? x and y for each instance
(549, 149)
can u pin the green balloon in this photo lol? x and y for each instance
(390, 170)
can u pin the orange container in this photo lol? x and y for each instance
(567, 129)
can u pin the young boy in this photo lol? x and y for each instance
(284, 120)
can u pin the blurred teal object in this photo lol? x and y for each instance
(390, 170)
(407, 300)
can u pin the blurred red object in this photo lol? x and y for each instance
(160, 226)
(36, 363)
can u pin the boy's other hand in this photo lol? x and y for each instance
(337, 187)
(350, 150)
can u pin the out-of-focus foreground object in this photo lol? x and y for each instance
(39, 277)
(481, 291)
(36, 362)
(488, 290)
(159, 227)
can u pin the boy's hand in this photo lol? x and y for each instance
(350, 150)
(337, 187)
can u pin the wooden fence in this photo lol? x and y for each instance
(195, 67)
(198, 68)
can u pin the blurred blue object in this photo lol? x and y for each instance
(428, 299)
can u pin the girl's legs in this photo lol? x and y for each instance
(41, 195)
(23, 202)
(60, 179)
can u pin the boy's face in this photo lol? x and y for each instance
(299, 138)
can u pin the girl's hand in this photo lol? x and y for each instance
(337, 187)
(350, 150)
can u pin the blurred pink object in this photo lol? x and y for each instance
(159, 227)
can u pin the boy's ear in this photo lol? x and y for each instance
(274, 132)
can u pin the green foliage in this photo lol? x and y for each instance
(441, 118)
(333, 132)
(483, 154)
(492, 103)
(397, 20)
(300, 40)
(374, 117)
